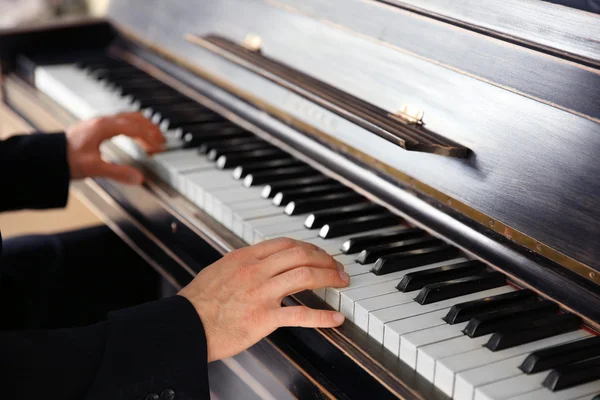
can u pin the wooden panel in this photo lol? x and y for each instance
(549, 26)
(534, 166)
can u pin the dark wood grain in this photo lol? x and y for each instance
(547, 27)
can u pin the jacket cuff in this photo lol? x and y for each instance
(152, 348)
(36, 171)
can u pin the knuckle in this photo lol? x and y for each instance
(286, 242)
(304, 275)
(300, 315)
(301, 254)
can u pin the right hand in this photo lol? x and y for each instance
(238, 298)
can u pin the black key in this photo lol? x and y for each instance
(320, 218)
(358, 244)
(596, 397)
(265, 177)
(144, 94)
(500, 319)
(191, 107)
(417, 280)
(571, 375)
(465, 311)
(526, 332)
(159, 101)
(241, 171)
(414, 258)
(561, 355)
(372, 254)
(272, 189)
(203, 141)
(184, 120)
(284, 197)
(359, 224)
(250, 145)
(322, 203)
(459, 287)
(250, 157)
(215, 140)
(144, 84)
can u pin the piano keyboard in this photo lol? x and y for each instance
(455, 321)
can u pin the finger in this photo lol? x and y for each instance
(304, 278)
(295, 257)
(267, 248)
(307, 317)
(134, 126)
(121, 173)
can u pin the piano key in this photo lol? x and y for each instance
(417, 280)
(359, 243)
(240, 226)
(469, 381)
(428, 354)
(214, 133)
(320, 218)
(588, 389)
(350, 297)
(465, 311)
(214, 150)
(241, 171)
(567, 376)
(357, 269)
(198, 182)
(497, 320)
(372, 254)
(510, 387)
(557, 356)
(233, 160)
(397, 262)
(411, 342)
(496, 371)
(323, 203)
(222, 141)
(379, 318)
(271, 189)
(461, 286)
(248, 145)
(447, 368)
(266, 177)
(285, 196)
(358, 225)
(345, 259)
(184, 120)
(333, 294)
(523, 332)
(393, 331)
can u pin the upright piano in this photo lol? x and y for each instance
(447, 153)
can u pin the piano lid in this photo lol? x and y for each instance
(529, 114)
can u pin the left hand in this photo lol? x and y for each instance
(84, 139)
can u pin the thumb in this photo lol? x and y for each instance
(121, 173)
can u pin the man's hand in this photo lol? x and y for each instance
(84, 141)
(239, 297)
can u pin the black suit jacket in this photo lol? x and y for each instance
(148, 351)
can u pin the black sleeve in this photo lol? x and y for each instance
(34, 172)
(140, 351)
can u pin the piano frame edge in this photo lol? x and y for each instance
(106, 200)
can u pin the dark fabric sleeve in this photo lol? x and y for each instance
(140, 351)
(35, 172)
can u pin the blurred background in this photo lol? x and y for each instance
(21, 12)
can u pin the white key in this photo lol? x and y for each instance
(379, 318)
(393, 331)
(511, 387)
(428, 354)
(348, 298)
(346, 259)
(333, 294)
(240, 226)
(588, 389)
(225, 213)
(358, 269)
(468, 381)
(447, 368)
(363, 308)
(298, 235)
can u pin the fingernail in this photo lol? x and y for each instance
(338, 317)
(345, 277)
(340, 267)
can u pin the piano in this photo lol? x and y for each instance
(447, 153)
